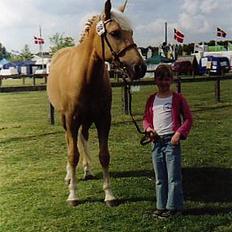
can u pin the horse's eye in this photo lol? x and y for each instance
(115, 34)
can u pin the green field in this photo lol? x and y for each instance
(33, 159)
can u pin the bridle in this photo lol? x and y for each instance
(116, 59)
(116, 55)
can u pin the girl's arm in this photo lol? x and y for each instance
(184, 129)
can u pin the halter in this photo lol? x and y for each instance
(101, 30)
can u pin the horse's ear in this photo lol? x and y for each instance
(107, 9)
(122, 7)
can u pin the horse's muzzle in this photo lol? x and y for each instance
(139, 70)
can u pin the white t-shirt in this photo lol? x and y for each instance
(162, 115)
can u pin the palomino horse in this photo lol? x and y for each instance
(79, 88)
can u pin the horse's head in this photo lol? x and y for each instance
(116, 39)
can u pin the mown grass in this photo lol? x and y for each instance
(33, 158)
(21, 82)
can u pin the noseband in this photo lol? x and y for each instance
(101, 30)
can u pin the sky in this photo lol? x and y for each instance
(197, 19)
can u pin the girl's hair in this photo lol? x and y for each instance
(163, 70)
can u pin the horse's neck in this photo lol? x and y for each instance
(95, 65)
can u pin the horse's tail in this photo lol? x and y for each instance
(84, 154)
(63, 121)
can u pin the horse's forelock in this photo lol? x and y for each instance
(116, 15)
(120, 18)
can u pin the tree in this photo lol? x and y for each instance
(3, 52)
(188, 48)
(60, 41)
(26, 53)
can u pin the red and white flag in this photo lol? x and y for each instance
(38, 40)
(178, 36)
(221, 33)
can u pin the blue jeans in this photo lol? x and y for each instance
(166, 160)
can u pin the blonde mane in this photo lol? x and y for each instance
(87, 26)
(116, 15)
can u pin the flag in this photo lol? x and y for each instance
(178, 36)
(221, 33)
(38, 40)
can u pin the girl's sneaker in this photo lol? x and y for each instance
(158, 212)
(170, 214)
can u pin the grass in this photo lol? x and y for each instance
(33, 158)
(19, 82)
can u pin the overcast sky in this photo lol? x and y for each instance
(197, 19)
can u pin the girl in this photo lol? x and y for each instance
(167, 115)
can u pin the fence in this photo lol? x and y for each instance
(23, 77)
(125, 96)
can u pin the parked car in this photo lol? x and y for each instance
(182, 67)
(214, 65)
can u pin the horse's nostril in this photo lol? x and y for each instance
(140, 70)
(137, 68)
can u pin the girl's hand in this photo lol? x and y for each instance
(149, 129)
(175, 138)
(151, 133)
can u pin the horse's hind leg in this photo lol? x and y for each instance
(83, 136)
(103, 127)
(68, 174)
(73, 158)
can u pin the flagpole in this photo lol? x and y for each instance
(176, 47)
(41, 47)
(216, 41)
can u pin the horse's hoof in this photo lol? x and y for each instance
(73, 203)
(112, 203)
(88, 177)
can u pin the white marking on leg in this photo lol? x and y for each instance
(106, 186)
(68, 174)
(73, 185)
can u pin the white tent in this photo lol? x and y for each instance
(3, 61)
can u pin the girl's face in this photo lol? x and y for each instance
(164, 83)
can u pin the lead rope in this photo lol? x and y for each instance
(147, 136)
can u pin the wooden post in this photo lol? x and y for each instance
(23, 80)
(178, 84)
(126, 99)
(33, 80)
(0, 81)
(51, 114)
(218, 89)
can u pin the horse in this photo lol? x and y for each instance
(79, 88)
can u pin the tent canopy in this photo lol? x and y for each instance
(3, 61)
(18, 64)
(156, 59)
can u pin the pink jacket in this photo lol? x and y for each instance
(179, 108)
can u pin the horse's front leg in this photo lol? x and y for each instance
(73, 158)
(103, 128)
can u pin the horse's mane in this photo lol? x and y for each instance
(88, 24)
(116, 15)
